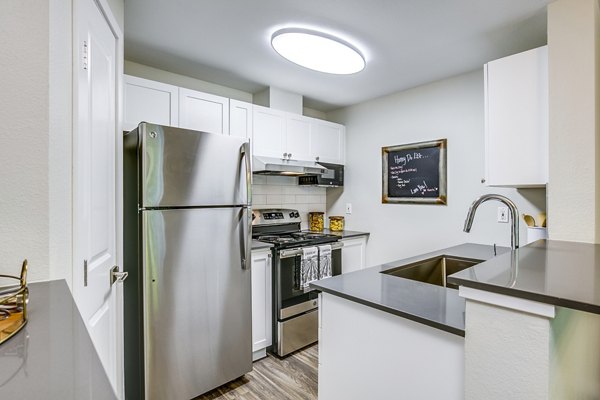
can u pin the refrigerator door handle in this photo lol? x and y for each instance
(247, 240)
(247, 253)
(245, 152)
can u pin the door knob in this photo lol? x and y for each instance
(117, 276)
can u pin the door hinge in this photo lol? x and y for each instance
(85, 55)
(85, 272)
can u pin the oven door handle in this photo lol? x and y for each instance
(298, 252)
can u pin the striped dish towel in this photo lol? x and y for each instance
(309, 267)
(325, 261)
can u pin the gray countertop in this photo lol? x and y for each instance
(52, 357)
(346, 234)
(421, 302)
(560, 273)
(256, 245)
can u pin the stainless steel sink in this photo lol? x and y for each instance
(433, 270)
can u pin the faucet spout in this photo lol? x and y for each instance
(512, 209)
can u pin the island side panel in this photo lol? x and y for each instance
(507, 353)
(367, 353)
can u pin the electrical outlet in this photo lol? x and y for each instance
(348, 208)
(502, 214)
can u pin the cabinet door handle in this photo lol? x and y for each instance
(317, 158)
(289, 156)
(284, 156)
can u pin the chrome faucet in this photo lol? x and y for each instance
(514, 216)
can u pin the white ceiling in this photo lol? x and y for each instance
(405, 42)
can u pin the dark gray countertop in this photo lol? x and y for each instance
(432, 305)
(560, 273)
(52, 357)
(256, 245)
(346, 234)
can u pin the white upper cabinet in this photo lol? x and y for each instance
(240, 119)
(298, 136)
(279, 134)
(203, 112)
(273, 133)
(268, 133)
(327, 142)
(148, 101)
(516, 120)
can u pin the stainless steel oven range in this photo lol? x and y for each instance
(295, 307)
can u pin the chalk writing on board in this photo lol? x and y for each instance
(415, 172)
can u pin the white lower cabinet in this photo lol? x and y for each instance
(354, 254)
(262, 328)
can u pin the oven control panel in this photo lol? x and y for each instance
(275, 216)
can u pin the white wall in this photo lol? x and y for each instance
(574, 79)
(452, 109)
(279, 99)
(35, 149)
(59, 145)
(24, 112)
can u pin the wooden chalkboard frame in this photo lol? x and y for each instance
(442, 195)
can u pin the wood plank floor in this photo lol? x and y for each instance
(293, 378)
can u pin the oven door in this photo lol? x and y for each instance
(290, 293)
(295, 311)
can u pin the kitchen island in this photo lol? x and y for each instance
(380, 334)
(52, 357)
(523, 324)
(534, 316)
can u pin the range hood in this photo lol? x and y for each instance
(281, 166)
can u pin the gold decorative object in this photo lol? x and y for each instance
(316, 221)
(336, 223)
(13, 303)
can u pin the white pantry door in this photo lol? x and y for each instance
(95, 185)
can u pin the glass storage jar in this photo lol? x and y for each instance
(336, 223)
(316, 221)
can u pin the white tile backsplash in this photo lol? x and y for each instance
(282, 180)
(259, 179)
(259, 198)
(274, 199)
(284, 192)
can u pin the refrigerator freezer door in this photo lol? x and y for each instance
(197, 303)
(185, 168)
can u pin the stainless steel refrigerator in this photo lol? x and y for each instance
(187, 240)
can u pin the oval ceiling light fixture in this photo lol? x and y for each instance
(318, 51)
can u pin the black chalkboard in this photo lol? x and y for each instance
(415, 173)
